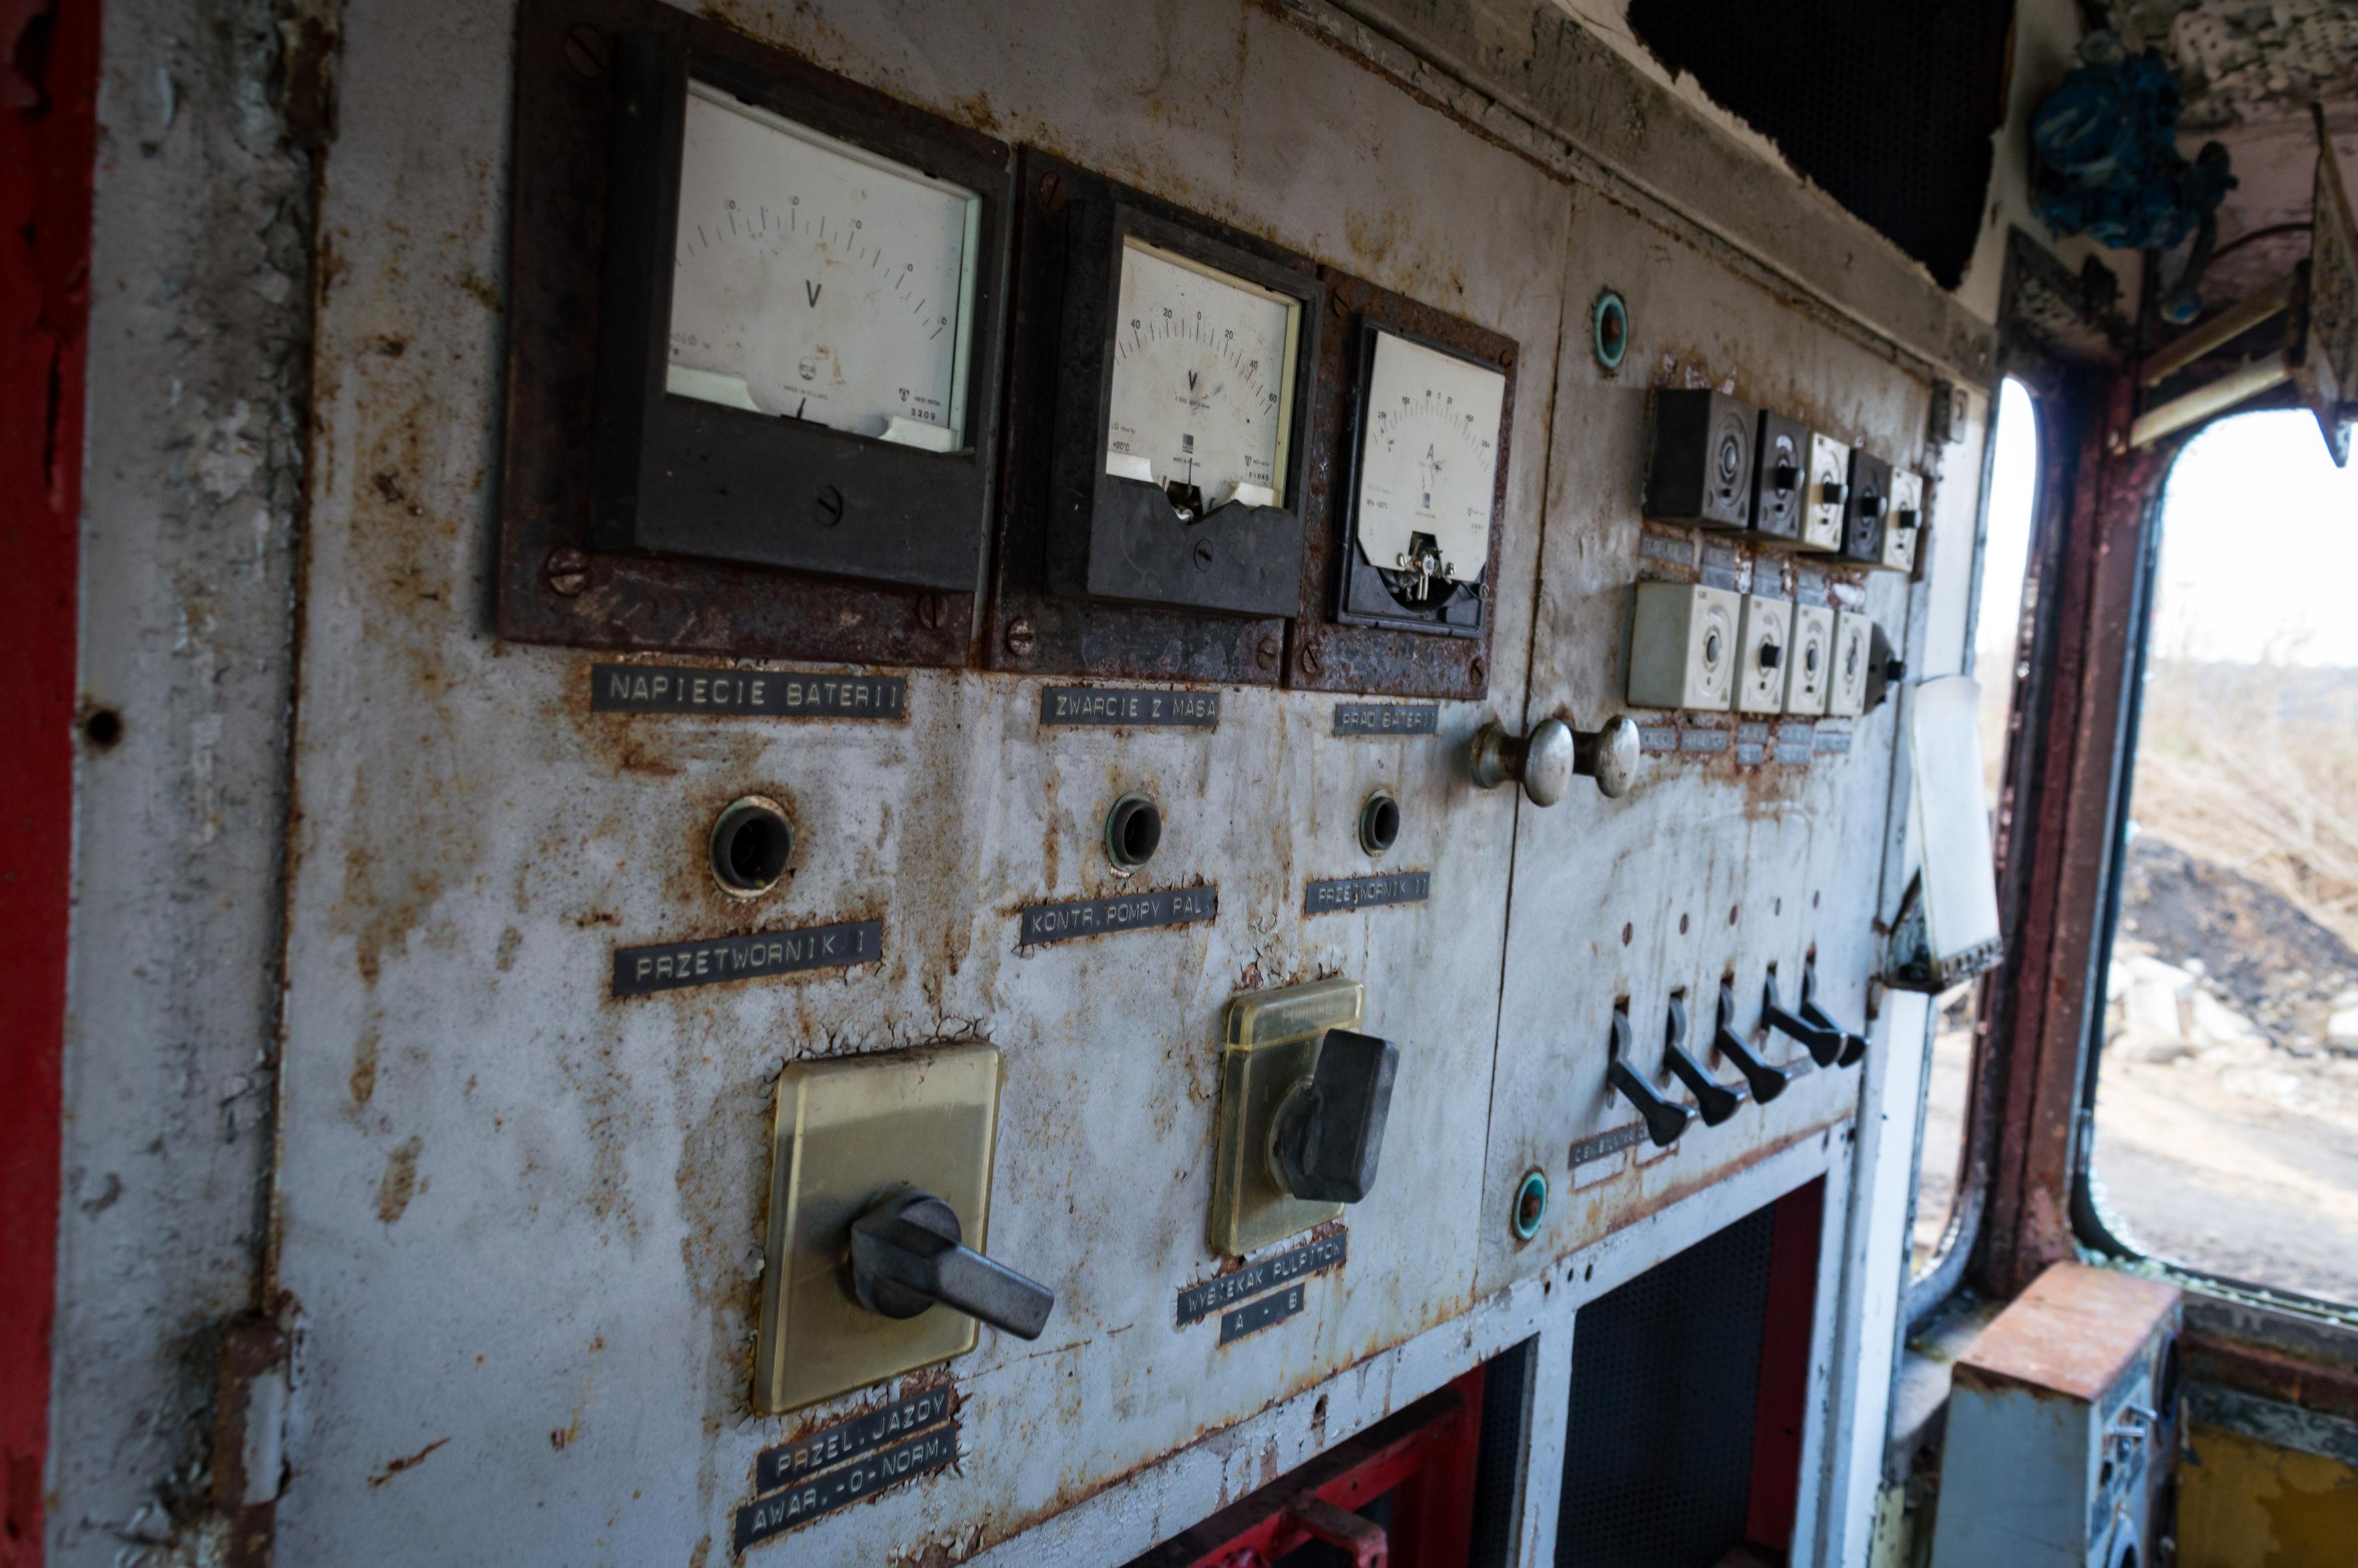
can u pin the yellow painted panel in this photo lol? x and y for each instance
(2252, 1504)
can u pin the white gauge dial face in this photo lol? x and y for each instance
(1428, 460)
(815, 280)
(1203, 379)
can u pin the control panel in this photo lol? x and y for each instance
(1163, 785)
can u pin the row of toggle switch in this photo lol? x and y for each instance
(1827, 1041)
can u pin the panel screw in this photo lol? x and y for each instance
(1335, 307)
(1479, 673)
(1203, 555)
(1310, 661)
(1266, 654)
(1021, 637)
(1051, 192)
(931, 611)
(826, 506)
(587, 51)
(567, 571)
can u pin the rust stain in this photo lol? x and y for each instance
(362, 1081)
(399, 1183)
(408, 1462)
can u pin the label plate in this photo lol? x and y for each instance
(1365, 893)
(1604, 1143)
(772, 694)
(1387, 717)
(830, 1445)
(1109, 707)
(1254, 1316)
(673, 966)
(1197, 1303)
(822, 1494)
(1105, 916)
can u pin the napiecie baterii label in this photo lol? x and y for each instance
(770, 694)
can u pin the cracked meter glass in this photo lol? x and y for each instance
(815, 280)
(1202, 402)
(1428, 466)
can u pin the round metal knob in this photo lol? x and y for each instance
(1609, 756)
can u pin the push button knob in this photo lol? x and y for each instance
(1328, 1134)
(906, 1256)
(1765, 1082)
(1664, 1121)
(1548, 759)
(1715, 1101)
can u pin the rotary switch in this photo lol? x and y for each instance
(1329, 1130)
(1546, 761)
(908, 1255)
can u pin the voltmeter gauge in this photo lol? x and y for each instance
(1183, 384)
(815, 280)
(799, 344)
(1426, 466)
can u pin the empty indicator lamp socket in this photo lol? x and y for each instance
(751, 841)
(1379, 821)
(1530, 1203)
(1133, 831)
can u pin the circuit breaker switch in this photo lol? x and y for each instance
(1328, 1134)
(1854, 1046)
(907, 1256)
(1766, 627)
(1665, 1120)
(1824, 1042)
(1765, 1081)
(1715, 1101)
(1683, 646)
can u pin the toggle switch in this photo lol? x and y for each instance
(1885, 668)
(1767, 1082)
(1665, 1120)
(1715, 1101)
(1863, 510)
(1824, 1043)
(1701, 469)
(1329, 1132)
(907, 1258)
(1546, 761)
(1782, 452)
(1683, 646)
(880, 1207)
(1824, 493)
(1905, 521)
(1854, 1046)
(1853, 655)
(1305, 1097)
(1809, 668)
(1765, 632)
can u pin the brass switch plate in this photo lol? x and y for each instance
(1269, 1043)
(849, 1130)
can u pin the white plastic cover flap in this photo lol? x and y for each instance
(1951, 818)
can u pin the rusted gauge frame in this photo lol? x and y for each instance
(1028, 628)
(1327, 651)
(552, 584)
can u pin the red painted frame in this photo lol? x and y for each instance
(48, 93)
(1781, 1406)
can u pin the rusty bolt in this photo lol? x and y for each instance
(567, 571)
(587, 51)
(1021, 637)
(1266, 652)
(1479, 673)
(1336, 307)
(1309, 659)
(1051, 192)
(931, 611)
(826, 506)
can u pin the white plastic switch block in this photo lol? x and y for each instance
(1903, 520)
(1853, 644)
(1682, 647)
(1810, 664)
(1765, 642)
(1821, 520)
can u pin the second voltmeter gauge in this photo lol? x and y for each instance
(1178, 419)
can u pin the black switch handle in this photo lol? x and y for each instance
(1854, 1046)
(906, 1256)
(1664, 1121)
(1717, 1102)
(1824, 1044)
(1767, 1082)
(1329, 1130)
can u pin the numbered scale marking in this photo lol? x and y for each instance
(1428, 467)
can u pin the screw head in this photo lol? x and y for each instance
(567, 571)
(1021, 637)
(1051, 192)
(1335, 308)
(826, 506)
(932, 612)
(1203, 555)
(1311, 660)
(1479, 673)
(587, 51)
(1265, 653)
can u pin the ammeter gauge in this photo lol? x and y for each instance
(1184, 386)
(1425, 485)
(799, 337)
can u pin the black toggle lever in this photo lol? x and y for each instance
(1767, 1082)
(1664, 1121)
(1854, 1046)
(1717, 1102)
(906, 1255)
(1825, 1045)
